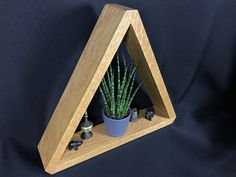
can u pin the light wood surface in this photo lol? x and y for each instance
(101, 143)
(115, 23)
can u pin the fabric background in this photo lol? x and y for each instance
(195, 45)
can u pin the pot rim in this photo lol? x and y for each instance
(120, 119)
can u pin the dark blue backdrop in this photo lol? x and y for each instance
(195, 43)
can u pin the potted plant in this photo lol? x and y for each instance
(118, 93)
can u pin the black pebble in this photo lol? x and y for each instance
(75, 144)
(149, 115)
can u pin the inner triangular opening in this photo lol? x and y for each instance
(142, 98)
(147, 98)
(140, 101)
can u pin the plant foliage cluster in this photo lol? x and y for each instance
(118, 93)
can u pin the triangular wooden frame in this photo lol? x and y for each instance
(115, 23)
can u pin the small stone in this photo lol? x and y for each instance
(134, 115)
(149, 115)
(75, 144)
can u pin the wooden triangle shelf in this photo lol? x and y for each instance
(116, 23)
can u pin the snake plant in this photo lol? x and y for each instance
(118, 92)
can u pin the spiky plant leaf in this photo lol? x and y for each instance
(119, 106)
(132, 97)
(113, 104)
(106, 89)
(118, 85)
(106, 106)
(125, 92)
(129, 94)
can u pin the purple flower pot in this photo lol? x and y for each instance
(116, 127)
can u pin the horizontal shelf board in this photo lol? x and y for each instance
(101, 142)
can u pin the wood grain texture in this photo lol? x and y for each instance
(115, 23)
